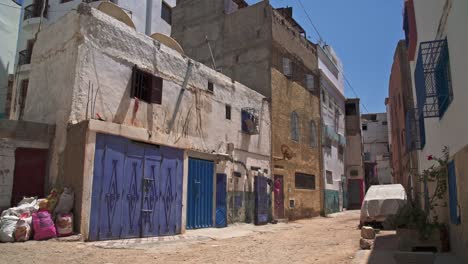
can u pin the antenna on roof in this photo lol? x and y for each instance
(211, 53)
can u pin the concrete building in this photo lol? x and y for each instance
(400, 109)
(436, 37)
(354, 167)
(333, 119)
(146, 16)
(10, 15)
(376, 149)
(164, 138)
(266, 49)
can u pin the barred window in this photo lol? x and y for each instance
(294, 126)
(146, 86)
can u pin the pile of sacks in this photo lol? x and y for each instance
(35, 218)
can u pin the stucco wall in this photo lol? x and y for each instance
(107, 52)
(459, 233)
(305, 158)
(9, 24)
(448, 130)
(13, 135)
(240, 41)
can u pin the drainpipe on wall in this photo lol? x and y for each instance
(149, 16)
(181, 93)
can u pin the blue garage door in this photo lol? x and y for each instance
(137, 190)
(200, 194)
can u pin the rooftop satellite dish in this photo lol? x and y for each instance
(168, 41)
(114, 11)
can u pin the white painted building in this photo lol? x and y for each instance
(146, 16)
(333, 118)
(10, 13)
(377, 161)
(191, 109)
(437, 34)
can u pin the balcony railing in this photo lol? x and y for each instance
(34, 10)
(24, 57)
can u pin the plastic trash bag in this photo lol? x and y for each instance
(65, 202)
(43, 226)
(7, 228)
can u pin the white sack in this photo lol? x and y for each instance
(7, 228)
(65, 202)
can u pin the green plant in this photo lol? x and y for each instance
(436, 174)
(411, 215)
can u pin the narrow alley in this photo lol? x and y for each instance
(333, 239)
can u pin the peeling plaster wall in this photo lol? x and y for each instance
(96, 56)
(13, 135)
(306, 159)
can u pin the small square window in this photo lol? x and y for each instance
(166, 13)
(210, 87)
(364, 127)
(304, 181)
(146, 87)
(329, 177)
(384, 123)
(228, 112)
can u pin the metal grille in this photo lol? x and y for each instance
(24, 57)
(415, 133)
(432, 78)
(34, 10)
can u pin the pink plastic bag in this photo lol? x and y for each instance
(43, 226)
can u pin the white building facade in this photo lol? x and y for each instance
(436, 33)
(377, 162)
(10, 13)
(146, 16)
(210, 134)
(333, 118)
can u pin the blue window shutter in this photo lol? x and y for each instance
(453, 201)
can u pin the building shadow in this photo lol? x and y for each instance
(384, 247)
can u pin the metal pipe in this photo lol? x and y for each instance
(149, 16)
(181, 93)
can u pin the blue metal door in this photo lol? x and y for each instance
(151, 186)
(170, 192)
(221, 216)
(131, 191)
(261, 200)
(136, 190)
(200, 194)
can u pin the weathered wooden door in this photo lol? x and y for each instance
(137, 190)
(279, 196)
(200, 194)
(29, 174)
(261, 200)
(221, 208)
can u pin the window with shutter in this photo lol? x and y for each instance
(287, 68)
(294, 126)
(453, 196)
(313, 134)
(146, 87)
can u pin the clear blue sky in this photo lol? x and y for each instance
(364, 33)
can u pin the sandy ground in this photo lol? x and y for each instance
(320, 240)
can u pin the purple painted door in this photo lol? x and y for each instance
(136, 190)
(279, 196)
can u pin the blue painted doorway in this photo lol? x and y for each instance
(221, 202)
(261, 200)
(137, 189)
(200, 194)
